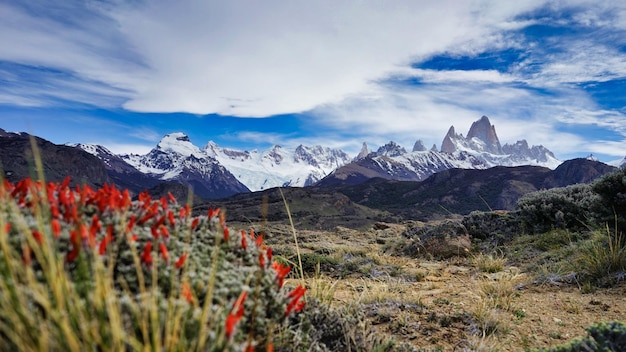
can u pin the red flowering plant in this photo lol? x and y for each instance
(101, 269)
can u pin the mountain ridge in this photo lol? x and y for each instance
(481, 149)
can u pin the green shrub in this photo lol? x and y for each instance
(324, 328)
(609, 337)
(611, 188)
(573, 207)
(310, 261)
(497, 227)
(84, 269)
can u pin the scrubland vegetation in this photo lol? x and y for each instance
(92, 269)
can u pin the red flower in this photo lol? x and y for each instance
(131, 223)
(171, 197)
(185, 292)
(184, 211)
(226, 233)
(126, 200)
(146, 256)
(106, 240)
(236, 313)
(37, 236)
(154, 231)
(164, 252)
(54, 210)
(170, 217)
(73, 254)
(281, 272)
(66, 182)
(181, 261)
(295, 305)
(244, 243)
(149, 214)
(163, 203)
(56, 228)
(269, 254)
(195, 223)
(165, 232)
(213, 213)
(93, 230)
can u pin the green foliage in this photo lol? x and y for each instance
(324, 328)
(611, 189)
(573, 207)
(604, 336)
(495, 226)
(603, 257)
(84, 269)
(310, 261)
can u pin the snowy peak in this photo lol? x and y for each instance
(363, 153)
(419, 146)
(391, 149)
(448, 145)
(178, 143)
(486, 133)
(319, 156)
(482, 141)
(481, 149)
(278, 166)
(93, 149)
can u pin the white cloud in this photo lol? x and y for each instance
(244, 57)
(613, 148)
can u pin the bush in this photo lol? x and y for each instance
(573, 207)
(327, 328)
(608, 337)
(611, 188)
(84, 269)
(495, 226)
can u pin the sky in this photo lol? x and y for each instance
(250, 74)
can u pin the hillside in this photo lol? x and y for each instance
(460, 191)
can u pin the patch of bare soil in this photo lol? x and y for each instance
(448, 305)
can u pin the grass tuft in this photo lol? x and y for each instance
(491, 263)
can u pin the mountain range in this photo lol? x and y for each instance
(214, 172)
(481, 149)
(324, 186)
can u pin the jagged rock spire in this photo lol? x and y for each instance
(419, 146)
(448, 146)
(486, 132)
(363, 153)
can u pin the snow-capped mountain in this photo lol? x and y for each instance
(481, 149)
(482, 142)
(414, 166)
(122, 173)
(175, 158)
(278, 166)
(216, 172)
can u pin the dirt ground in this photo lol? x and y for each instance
(540, 316)
(452, 305)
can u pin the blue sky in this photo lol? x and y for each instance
(249, 74)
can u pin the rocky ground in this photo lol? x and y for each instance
(475, 301)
